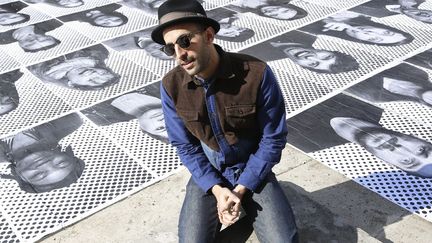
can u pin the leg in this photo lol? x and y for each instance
(273, 217)
(198, 217)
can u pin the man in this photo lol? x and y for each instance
(224, 113)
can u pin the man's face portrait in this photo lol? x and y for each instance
(108, 21)
(152, 121)
(228, 30)
(375, 35)
(422, 15)
(7, 18)
(36, 41)
(279, 12)
(70, 3)
(45, 167)
(404, 151)
(7, 100)
(89, 76)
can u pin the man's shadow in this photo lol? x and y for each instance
(331, 214)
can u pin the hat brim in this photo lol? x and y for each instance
(157, 33)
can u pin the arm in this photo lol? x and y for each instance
(271, 119)
(188, 147)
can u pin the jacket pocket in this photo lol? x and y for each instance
(241, 116)
(193, 122)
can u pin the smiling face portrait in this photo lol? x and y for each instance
(317, 60)
(407, 152)
(152, 121)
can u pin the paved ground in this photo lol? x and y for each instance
(328, 207)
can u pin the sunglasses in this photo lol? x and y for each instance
(184, 41)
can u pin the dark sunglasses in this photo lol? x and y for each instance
(184, 41)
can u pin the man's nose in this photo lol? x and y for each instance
(179, 52)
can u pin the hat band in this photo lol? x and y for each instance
(177, 15)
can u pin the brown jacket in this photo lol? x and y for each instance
(236, 86)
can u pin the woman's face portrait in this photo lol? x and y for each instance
(311, 58)
(375, 35)
(7, 18)
(231, 31)
(422, 15)
(407, 152)
(70, 3)
(89, 76)
(45, 167)
(152, 121)
(7, 102)
(108, 21)
(279, 12)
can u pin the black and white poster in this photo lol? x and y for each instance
(80, 109)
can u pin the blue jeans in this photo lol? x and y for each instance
(267, 210)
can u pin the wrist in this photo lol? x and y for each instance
(216, 189)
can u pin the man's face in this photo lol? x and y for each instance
(152, 121)
(422, 15)
(108, 21)
(278, 12)
(34, 42)
(70, 3)
(7, 103)
(194, 59)
(89, 76)
(228, 30)
(10, 18)
(407, 152)
(45, 167)
(311, 58)
(375, 35)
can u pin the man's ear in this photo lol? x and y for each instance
(209, 35)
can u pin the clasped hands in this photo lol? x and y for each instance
(228, 203)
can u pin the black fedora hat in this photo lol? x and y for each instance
(180, 11)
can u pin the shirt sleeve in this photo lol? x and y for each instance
(271, 119)
(188, 147)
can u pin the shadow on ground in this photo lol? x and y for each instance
(332, 214)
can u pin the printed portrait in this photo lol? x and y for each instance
(423, 59)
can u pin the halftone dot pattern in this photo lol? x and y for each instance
(70, 40)
(367, 62)
(6, 233)
(36, 104)
(335, 4)
(109, 172)
(132, 75)
(263, 29)
(57, 11)
(152, 153)
(314, 11)
(35, 17)
(7, 62)
(298, 92)
(156, 65)
(136, 20)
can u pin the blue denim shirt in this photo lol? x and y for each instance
(246, 162)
